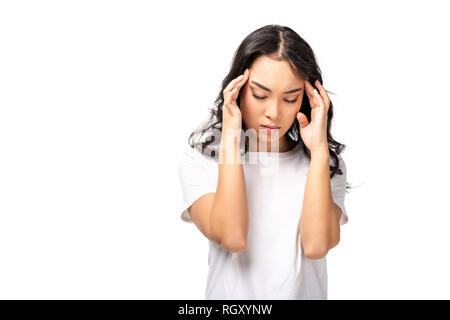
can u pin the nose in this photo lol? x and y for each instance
(273, 111)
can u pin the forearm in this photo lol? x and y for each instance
(319, 227)
(229, 217)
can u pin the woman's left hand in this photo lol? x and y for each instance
(314, 133)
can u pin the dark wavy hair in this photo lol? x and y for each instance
(280, 43)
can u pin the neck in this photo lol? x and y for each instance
(284, 145)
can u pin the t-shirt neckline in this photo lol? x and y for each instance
(271, 155)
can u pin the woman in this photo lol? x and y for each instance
(265, 182)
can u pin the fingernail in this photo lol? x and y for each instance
(315, 91)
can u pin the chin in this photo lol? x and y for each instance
(271, 136)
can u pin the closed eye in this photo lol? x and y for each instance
(262, 98)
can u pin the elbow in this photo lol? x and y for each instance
(234, 244)
(335, 242)
(317, 252)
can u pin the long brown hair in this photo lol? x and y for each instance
(277, 42)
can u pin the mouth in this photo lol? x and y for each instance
(270, 128)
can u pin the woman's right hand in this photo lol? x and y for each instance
(232, 117)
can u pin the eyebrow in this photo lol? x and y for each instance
(267, 89)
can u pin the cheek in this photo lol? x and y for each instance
(249, 108)
(292, 115)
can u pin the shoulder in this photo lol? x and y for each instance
(192, 157)
(340, 160)
(195, 154)
(340, 176)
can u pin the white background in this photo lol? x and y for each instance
(98, 99)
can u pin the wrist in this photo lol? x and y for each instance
(229, 150)
(231, 134)
(231, 122)
(321, 153)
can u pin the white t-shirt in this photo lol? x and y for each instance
(273, 265)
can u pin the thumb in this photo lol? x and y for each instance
(302, 120)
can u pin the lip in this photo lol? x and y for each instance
(270, 127)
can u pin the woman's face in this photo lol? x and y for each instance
(269, 80)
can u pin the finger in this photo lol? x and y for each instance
(323, 92)
(229, 96)
(246, 75)
(235, 81)
(309, 90)
(229, 90)
(314, 99)
(318, 99)
(234, 93)
(302, 120)
(241, 82)
(231, 85)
